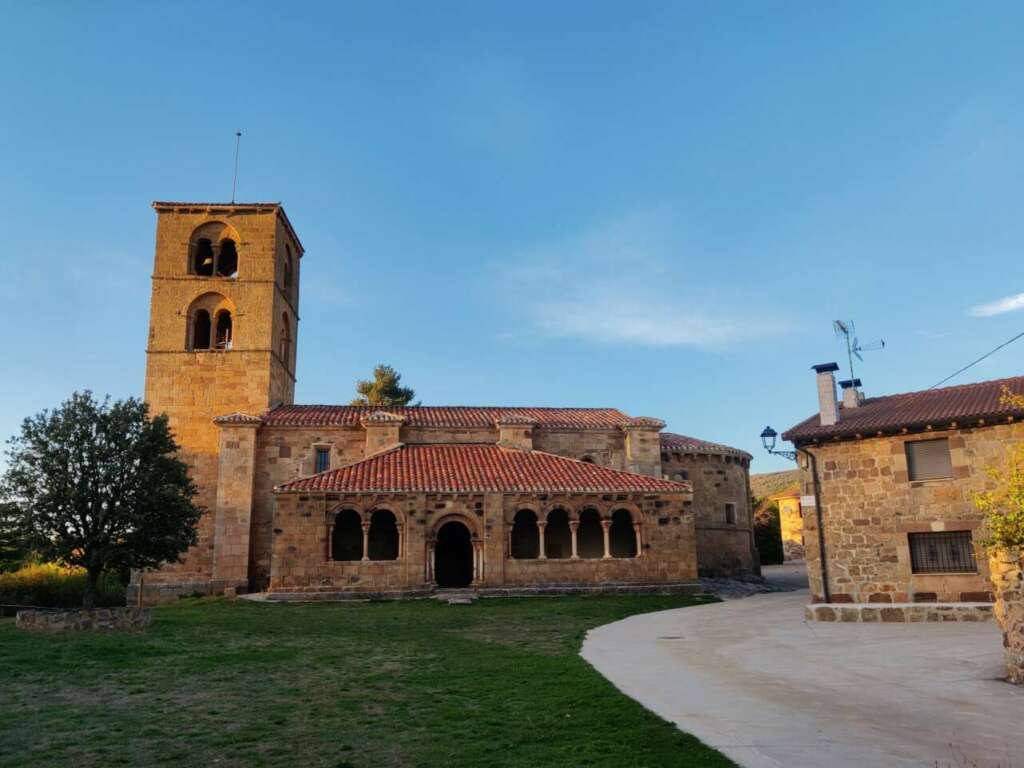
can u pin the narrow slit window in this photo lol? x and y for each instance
(323, 459)
(730, 513)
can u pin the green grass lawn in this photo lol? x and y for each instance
(234, 683)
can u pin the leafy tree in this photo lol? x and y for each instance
(12, 548)
(99, 485)
(384, 389)
(768, 532)
(1003, 503)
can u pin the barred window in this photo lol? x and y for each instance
(928, 459)
(942, 552)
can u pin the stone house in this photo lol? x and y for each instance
(886, 489)
(791, 522)
(330, 499)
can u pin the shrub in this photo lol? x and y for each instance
(52, 586)
(768, 536)
(1003, 503)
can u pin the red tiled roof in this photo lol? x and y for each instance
(445, 416)
(459, 468)
(966, 405)
(670, 441)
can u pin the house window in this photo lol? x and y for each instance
(928, 459)
(943, 552)
(730, 513)
(323, 459)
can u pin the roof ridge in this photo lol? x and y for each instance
(945, 389)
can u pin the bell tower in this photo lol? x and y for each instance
(222, 334)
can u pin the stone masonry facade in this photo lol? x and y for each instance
(870, 506)
(221, 363)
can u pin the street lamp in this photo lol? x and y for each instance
(768, 437)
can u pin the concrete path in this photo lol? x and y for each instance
(752, 679)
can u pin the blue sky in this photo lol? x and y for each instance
(658, 207)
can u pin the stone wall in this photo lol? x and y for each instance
(1008, 584)
(899, 613)
(870, 506)
(723, 548)
(791, 524)
(194, 387)
(301, 530)
(98, 620)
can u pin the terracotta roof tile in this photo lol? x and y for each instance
(670, 441)
(965, 405)
(460, 468)
(446, 416)
(237, 418)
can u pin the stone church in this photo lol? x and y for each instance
(328, 501)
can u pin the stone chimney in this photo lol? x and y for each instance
(515, 432)
(852, 396)
(828, 406)
(382, 431)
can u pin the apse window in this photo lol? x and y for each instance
(928, 459)
(730, 513)
(942, 552)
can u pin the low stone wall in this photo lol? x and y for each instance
(161, 592)
(98, 620)
(898, 612)
(544, 590)
(1008, 584)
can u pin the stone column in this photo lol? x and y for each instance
(639, 544)
(606, 526)
(574, 525)
(366, 542)
(540, 533)
(431, 555)
(330, 542)
(401, 540)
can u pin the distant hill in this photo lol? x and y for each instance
(773, 482)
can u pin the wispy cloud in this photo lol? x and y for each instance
(998, 307)
(624, 282)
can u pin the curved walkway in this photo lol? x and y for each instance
(752, 679)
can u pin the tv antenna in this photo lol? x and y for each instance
(846, 330)
(234, 180)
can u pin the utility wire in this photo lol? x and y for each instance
(990, 352)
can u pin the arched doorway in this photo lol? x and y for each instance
(453, 556)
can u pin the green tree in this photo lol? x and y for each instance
(384, 389)
(99, 485)
(1003, 503)
(12, 548)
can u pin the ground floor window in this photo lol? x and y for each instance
(525, 535)
(347, 537)
(621, 536)
(590, 536)
(382, 542)
(557, 535)
(942, 552)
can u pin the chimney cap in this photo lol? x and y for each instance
(825, 367)
(850, 383)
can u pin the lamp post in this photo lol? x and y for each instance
(768, 437)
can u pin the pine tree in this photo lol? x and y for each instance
(384, 389)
